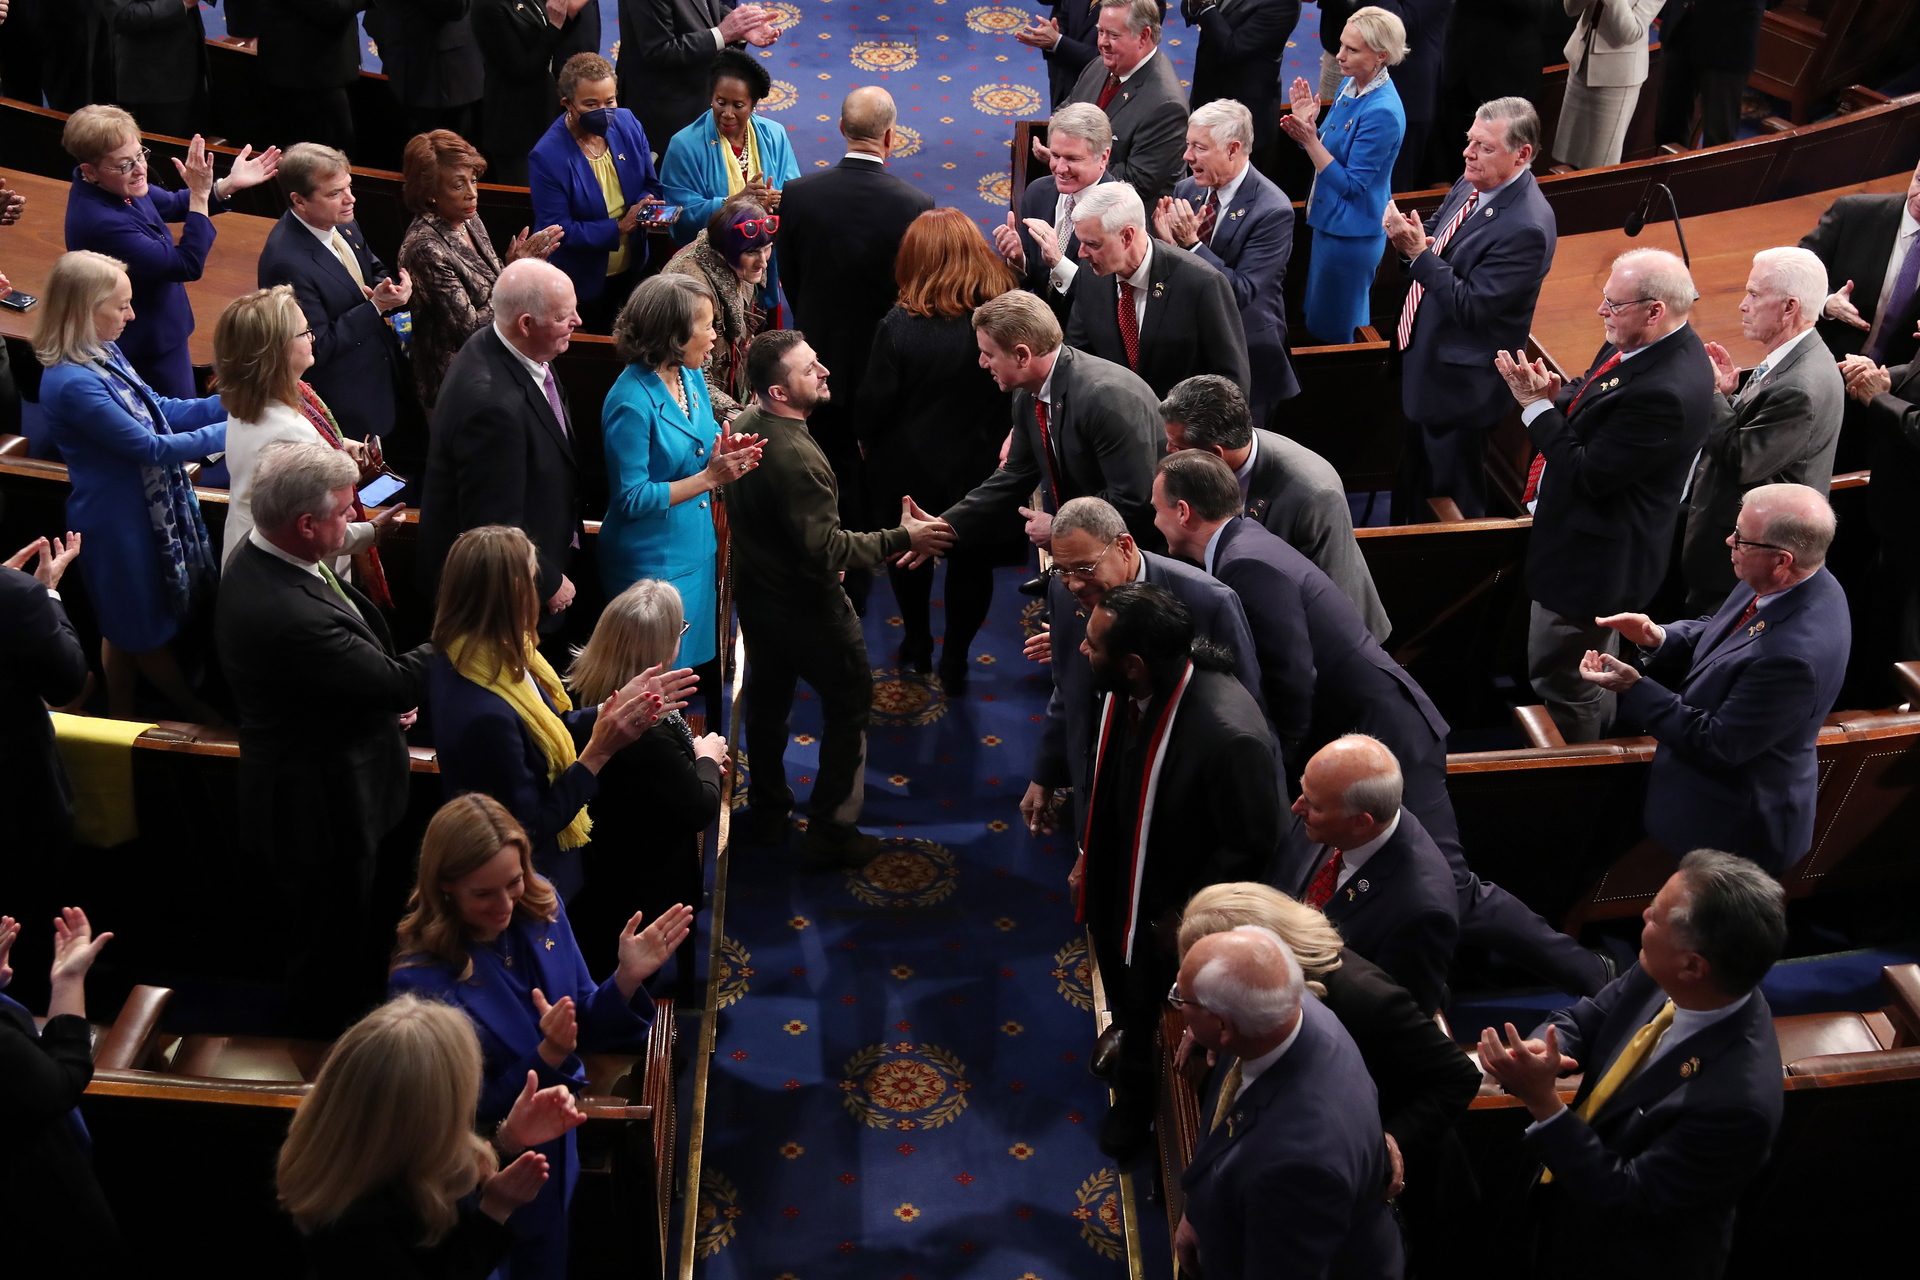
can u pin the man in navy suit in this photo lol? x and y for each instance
(345, 291)
(1615, 448)
(1681, 1096)
(1477, 267)
(1094, 553)
(1367, 864)
(1232, 218)
(1357, 688)
(1040, 243)
(1291, 1172)
(1736, 700)
(1067, 41)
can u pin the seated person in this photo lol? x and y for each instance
(732, 254)
(699, 173)
(486, 933)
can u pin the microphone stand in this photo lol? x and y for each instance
(1637, 220)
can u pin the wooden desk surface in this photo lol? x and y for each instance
(29, 248)
(1565, 322)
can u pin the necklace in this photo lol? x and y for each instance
(675, 389)
(500, 953)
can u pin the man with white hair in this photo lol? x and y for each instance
(1614, 449)
(1778, 424)
(504, 450)
(1736, 700)
(1231, 217)
(1151, 308)
(1039, 242)
(1139, 89)
(1291, 1172)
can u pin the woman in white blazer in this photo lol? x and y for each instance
(1606, 65)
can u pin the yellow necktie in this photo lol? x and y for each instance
(341, 251)
(1623, 1067)
(1229, 1091)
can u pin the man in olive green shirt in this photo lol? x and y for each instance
(789, 554)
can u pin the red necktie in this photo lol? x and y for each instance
(1439, 246)
(1592, 378)
(1129, 326)
(1746, 615)
(1322, 887)
(1046, 447)
(1107, 90)
(1209, 214)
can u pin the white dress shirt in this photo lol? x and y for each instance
(1062, 272)
(1143, 62)
(1351, 860)
(1252, 1069)
(305, 566)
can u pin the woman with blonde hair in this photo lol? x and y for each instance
(381, 1158)
(502, 721)
(487, 934)
(931, 426)
(262, 343)
(1424, 1079)
(149, 561)
(657, 795)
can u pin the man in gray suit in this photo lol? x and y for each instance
(1288, 488)
(1140, 91)
(1778, 424)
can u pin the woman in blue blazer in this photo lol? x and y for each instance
(111, 209)
(487, 934)
(1353, 157)
(728, 150)
(665, 457)
(148, 558)
(501, 720)
(592, 176)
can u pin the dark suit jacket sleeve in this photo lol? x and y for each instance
(1498, 284)
(1001, 494)
(1154, 158)
(1243, 795)
(1437, 1079)
(45, 654)
(1088, 293)
(491, 757)
(1768, 702)
(484, 454)
(1417, 953)
(1222, 335)
(684, 790)
(516, 50)
(1636, 440)
(1263, 259)
(1302, 1242)
(41, 1080)
(1126, 466)
(660, 45)
(1770, 437)
(1890, 413)
(1260, 35)
(1278, 638)
(333, 336)
(338, 664)
(1077, 53)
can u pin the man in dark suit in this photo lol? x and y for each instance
(1889, 403)
(310, 53)
(345, 292)
(1067, 41)
(1285, 486)
(1095, 554)
(1241, 44)
(323, 699)
(1356, 855)
(1708, 48)
(1039, 243)
(160, 65)
(523, 46)
(1184, 782)
(1736, 700)
(1157, 310)
(41, 664)
(1357, 688)
(840, 230)
(1081, 427)
(1776, 424)
(1869, 245)
(1139, 89)
(1477, 267)
(431, 60)
(1230, 217)
(503, 443)
(1290, 1174)
(1614, 448)
(1680, 1097)
(666, 50)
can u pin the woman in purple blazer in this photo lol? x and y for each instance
(113, 210)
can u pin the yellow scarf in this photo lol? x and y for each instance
(736, 182)
(547, 728)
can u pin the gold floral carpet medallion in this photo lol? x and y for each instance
(904, 1086)
(908, 873)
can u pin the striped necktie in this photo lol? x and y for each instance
(1439, 247)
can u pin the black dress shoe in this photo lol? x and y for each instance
(839, 847)
(1035, 586)
(953, 675)
(768, 826)
(917, 654)
(1106, 1052)
(1127, 1130)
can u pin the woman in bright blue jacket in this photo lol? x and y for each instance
(148, 559)
(1353, 156)
(592, 176)
(487, 934)
(665, 457)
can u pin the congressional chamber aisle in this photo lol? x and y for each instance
(899, 1082)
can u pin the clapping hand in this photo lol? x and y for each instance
(538, 1117)
(1043, 34)
(625, 715)
(1864, 378)
(54, 554)
(1039, 646)
(1840, 307)
(712, 746)
(513, 1186)
(643, 951)
(670, 689)
(250, 170)
(1608, 672)
(390, 296)
(196, 170)
(1006, 242)
(9, 930)
(1176, 222)
(529, 244)
(1302, 102)
(1408, 237)
(1041, 153)
(1726, 374)
(1527, 1069)
(559, 1030)
(12, 204)
(734, 456)
(1528, 380)
(1635, 627)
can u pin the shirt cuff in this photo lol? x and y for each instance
(1541, 1124)
(1062, 273)
(719, 41)
(360, 536)
(1534, 410)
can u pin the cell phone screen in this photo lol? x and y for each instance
(380, 488)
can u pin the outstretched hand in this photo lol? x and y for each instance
(9, 930)
(643, 951)
(1726, 374)
(1608, 672)
(559, 1030)
(1840, 307)
(1527, 1069)
(75, 947)
(1529, 380)
(1637, 627)
(513, 1186)
(538, 1116)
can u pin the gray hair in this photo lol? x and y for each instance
(1225, 121)
(1799, 520)
(657, 321)
(1113, 205)
(1142, 15)
(1734, 915)
(1211, 410)
(293, 480)
(1664, 277)
(1383, 31)
(1084, 121)
(1523, 122)
(304, 165)
(1095, 517)
(1798, 274)
(1378, 795)
(528, 287)
(1255, 1010)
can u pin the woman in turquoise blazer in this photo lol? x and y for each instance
(1353, 156)
(665, 457)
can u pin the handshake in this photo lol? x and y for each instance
(927, 536)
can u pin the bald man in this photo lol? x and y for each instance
(1356, 855)
(1736, 700)
(840, 230)
(1291, 1171)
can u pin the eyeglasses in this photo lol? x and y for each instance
(304, 333)
(1741, 543)
(126, 167)
(686, 626)
(1084, 571)
(758, 226)
(1179, 1001)
(1613, 308)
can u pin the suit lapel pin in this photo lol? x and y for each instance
(621, 156)
(1364, 886)
(1236, 213)
(1688, 1067)
(1757, 628)
(1233, 1121)
(547, 943)
(1160, 290)
(1350, 893)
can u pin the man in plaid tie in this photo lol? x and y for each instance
(1476, 275)
(1681, 1097)
(1736, 701)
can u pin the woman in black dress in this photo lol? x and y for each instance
(933, 424)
